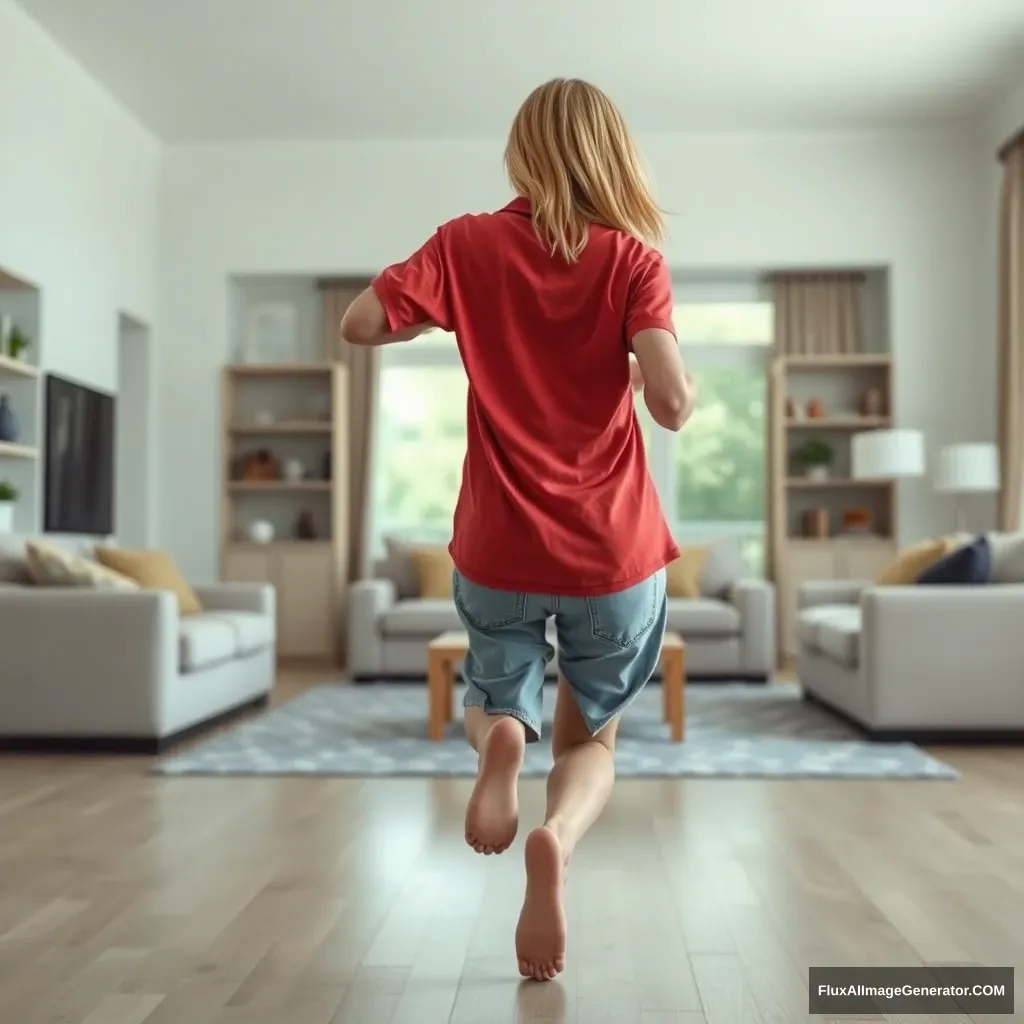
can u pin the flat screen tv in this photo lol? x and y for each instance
(79, 459)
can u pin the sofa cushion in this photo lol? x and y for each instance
(970, 565)
(51, 566)
(682, 575)
(206, 640)
(1007, 550)
(151, 570)
(399, 567)
(724, 567)
(700, 616)
(420, 616)
(253, 632)
(832, 629)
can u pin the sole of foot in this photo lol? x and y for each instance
(540, 934)
(492, 816)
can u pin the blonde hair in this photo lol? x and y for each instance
(571, 155)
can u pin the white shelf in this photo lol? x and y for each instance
(804, 483)
(17, 368)
(293, 427)
(17, 451)
(283, 486)
(840, 423)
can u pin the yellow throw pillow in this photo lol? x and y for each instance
(434, 568)
(682, 577)
(48, 566)
(911, 562)
(152, 570)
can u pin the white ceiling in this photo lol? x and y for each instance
(323, 69)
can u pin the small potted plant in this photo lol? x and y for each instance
(8, 496)
(815, 458)
(17, 343)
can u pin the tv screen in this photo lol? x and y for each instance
(79, 459)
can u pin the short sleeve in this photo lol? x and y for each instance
(650, 297)
(416, 291)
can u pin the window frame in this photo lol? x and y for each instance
(661, 454)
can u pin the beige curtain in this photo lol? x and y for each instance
(1011, 339)
(363, 364)
(817, 314)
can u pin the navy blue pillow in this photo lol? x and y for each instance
(969, 565)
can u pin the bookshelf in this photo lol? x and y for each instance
(824, 523)
(21, 386)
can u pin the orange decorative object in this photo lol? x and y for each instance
(815, 409)
(260, 466)
(857, 520)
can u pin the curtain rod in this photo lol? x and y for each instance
(1010, 145)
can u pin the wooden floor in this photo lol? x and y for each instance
(126, 898)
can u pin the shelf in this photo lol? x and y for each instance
(281, 486)
(17, 368)
(271, 370)
(803, 483)
(17, 451)
(840, 538)
(282, 427)
(840, 423)
(277, 545)
(851, 361)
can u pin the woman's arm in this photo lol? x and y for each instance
(366, 323)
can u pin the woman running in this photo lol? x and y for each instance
(561, 308)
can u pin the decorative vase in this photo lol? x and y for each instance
(294, 471)
(6, 517)
(9, 428)
(817, 473)
(261, 532)
(6, 326)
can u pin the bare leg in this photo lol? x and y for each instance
(578, 789)
(492, 815)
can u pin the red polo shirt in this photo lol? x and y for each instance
(556, 497)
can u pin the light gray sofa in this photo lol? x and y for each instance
(938, 663)
(730, 635)
(122, 671)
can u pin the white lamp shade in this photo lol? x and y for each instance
(887, 454)
(968, 469)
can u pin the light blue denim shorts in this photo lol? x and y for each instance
(608, 648)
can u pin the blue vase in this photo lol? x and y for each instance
(9, 429)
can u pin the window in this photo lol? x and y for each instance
(711, 475)
(421, 439)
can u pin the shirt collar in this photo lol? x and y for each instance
(518, 205)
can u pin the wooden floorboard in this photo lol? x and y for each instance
(132, 899)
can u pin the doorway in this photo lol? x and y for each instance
(135, 468)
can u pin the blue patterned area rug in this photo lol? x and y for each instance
(733, 731)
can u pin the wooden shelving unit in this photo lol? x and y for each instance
(837, 384)
(20, 382)
(291, 412)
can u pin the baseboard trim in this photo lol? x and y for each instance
(925, 737)
(141, 746)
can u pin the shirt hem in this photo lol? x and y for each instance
(531, 586)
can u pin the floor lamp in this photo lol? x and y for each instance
(887, 455)
(966, 469)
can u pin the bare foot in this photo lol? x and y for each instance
(492, 816)
(540, 934)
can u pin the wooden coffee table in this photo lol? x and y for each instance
(447, 650)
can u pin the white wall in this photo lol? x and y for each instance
(912, 203)
(78, 200)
